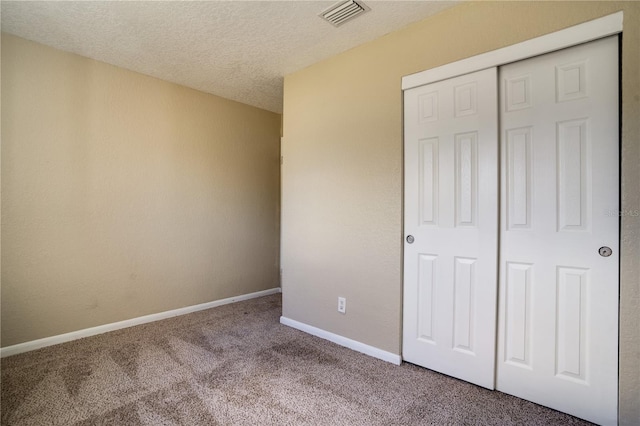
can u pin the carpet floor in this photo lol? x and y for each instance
(237, 365)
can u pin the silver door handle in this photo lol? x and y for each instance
(605, 251)
(410, 239)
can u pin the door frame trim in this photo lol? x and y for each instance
(577, 34)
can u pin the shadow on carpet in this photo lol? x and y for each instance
(237, 365)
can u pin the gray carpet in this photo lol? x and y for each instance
(236, 365)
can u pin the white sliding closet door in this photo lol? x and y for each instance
(557, 310)
(451, 223)
(558, 321)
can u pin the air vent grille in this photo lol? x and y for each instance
(343, 11)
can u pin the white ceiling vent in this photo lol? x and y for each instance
(343, 11)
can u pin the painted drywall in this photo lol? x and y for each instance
(342, 173)
(124, 195)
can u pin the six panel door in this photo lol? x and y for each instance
(558, 326)
(557, 341)
(451, 196)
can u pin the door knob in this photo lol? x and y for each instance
(410, 239)
(605, 251)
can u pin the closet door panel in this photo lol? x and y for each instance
(451, 210)
(558, 320)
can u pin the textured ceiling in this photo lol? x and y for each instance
(239, 50)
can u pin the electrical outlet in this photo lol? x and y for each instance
(342, 305)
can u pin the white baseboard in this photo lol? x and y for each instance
(343, 341)
(74, 335)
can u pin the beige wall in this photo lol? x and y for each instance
(124, 195)
(342, 175)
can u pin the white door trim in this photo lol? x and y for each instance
(578, 34)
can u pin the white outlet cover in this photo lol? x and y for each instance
(342, 305)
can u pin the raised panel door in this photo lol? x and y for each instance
(558, 321)
(451, 208)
